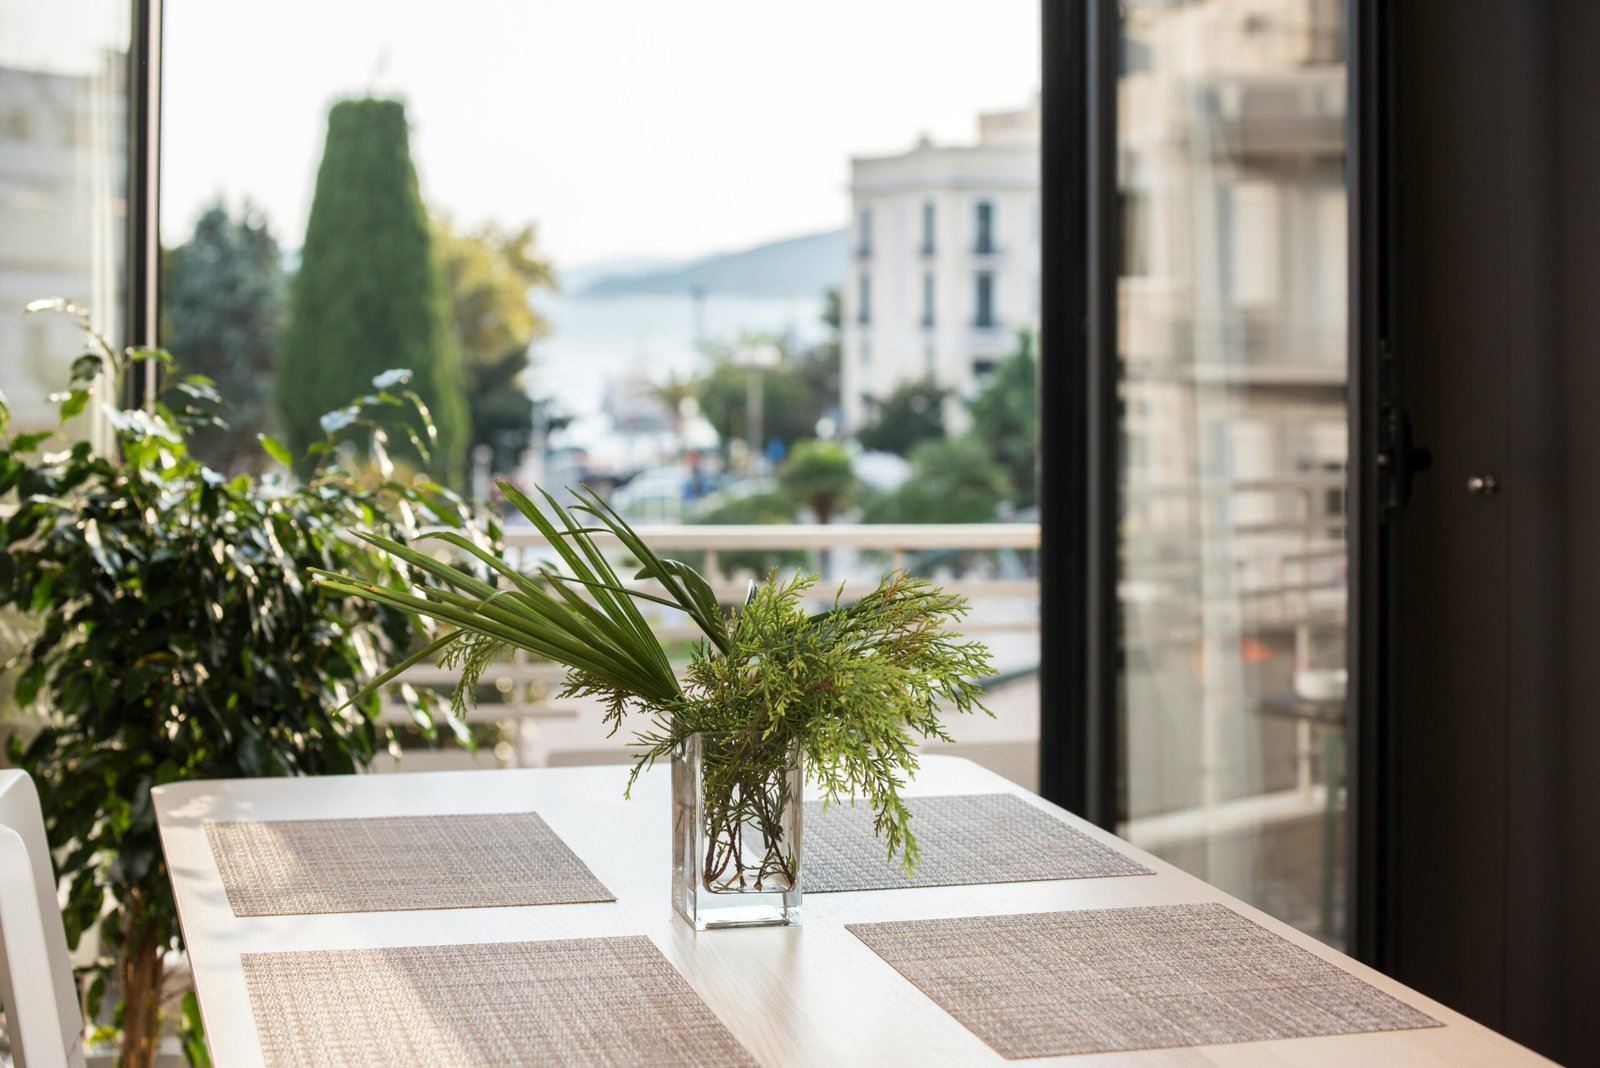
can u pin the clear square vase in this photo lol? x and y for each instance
(737, 803)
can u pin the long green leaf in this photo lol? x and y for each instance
(586, 562)
(525, 634)
(709, 622)
(433, 647)
(606, 631)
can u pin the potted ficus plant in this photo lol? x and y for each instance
(772, 693)
(170, 633)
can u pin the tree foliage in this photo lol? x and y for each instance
(178, 637)
(818, 475)
(224, 296)
(489, 272)
(1005, 418)
(797, 394)
(369, 294)
(912, 413)
(952, 481)
(788, 406)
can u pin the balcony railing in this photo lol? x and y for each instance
(979, 561)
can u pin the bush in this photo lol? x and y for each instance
(178, 636)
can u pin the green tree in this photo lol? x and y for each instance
(1005, 418)
(224, 296)
(489, 272)
(369, 295)
(787, 408)
(913, 413)
(952, 481)
(818, 475)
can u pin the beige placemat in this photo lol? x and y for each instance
(964, 838)
(578, 1001)
(481, 860)
(1048, 984)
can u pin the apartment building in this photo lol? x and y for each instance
(944, 260)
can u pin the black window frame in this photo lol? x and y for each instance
(142, 310)
(1080, 659)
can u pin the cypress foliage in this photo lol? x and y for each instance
(369, 295)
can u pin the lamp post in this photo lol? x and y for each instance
(755, 359)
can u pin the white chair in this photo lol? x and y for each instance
(41, 1002)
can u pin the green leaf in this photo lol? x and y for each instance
(700, 591)
(27, 688)
(29, 442)
(161, 356)
(87, 367)
(193, 1030)
(276, 449)
(73, 402)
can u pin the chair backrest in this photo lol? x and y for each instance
(42, 1016)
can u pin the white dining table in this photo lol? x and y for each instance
(808, 995)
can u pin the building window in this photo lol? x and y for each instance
(864, 300)
(983, 368)
(983, 299)
(864, 234)
(985, 226)
(927, 298)
(928, 220)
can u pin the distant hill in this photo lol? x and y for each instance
(577, 279)
(795, 267)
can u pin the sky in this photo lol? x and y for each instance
(623, 128)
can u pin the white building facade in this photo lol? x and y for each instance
(944, 262)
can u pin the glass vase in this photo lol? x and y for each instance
(736, 809)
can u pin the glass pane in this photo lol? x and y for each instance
(1231, 326)
(63, 188)
(775, 240)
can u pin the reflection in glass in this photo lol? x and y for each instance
(1231, 326)
(63, 189)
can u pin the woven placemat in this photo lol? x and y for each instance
(1055, 983)
(964, 838)
(482, 860)
(578, 1001)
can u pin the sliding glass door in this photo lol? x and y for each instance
(1230, 323)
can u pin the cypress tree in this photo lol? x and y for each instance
(369, 295)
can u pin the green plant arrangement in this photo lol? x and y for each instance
(846, 692)
(174, 635)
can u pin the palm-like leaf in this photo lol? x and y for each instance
(583, 615)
